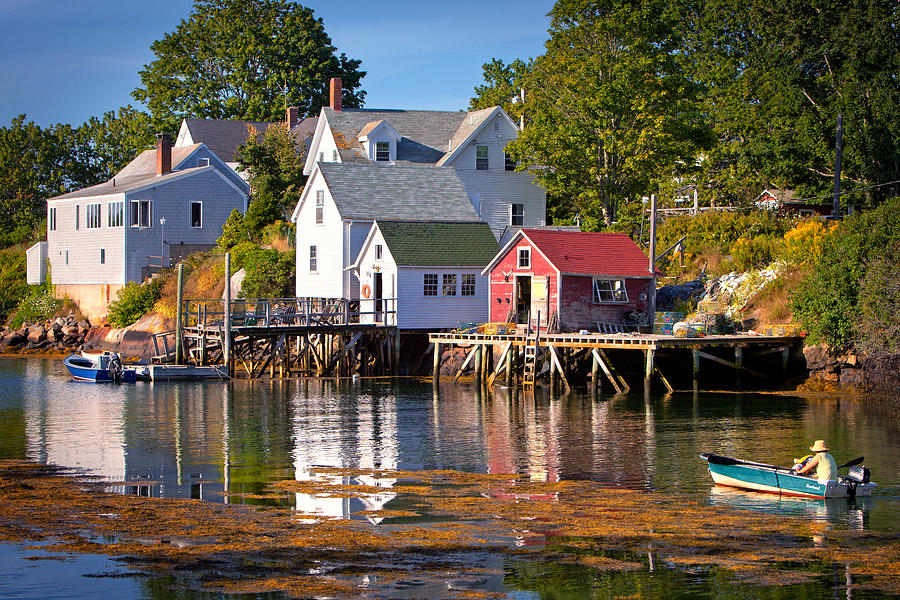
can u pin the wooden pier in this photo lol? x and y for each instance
(564, 360)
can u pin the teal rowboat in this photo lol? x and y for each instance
(761, 477)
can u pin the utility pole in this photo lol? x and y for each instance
(652, 260)
(838, 147)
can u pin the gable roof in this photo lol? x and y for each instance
(137, 174)
(373, 191)
(223, 136)
(473, 125)
(585, 253)
(439, 244)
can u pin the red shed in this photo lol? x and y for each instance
(582, 278)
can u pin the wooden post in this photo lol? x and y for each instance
(739, 364)
(695, 352)
(396, 352)
(649, 367)
(179, 326)
(652, 289)
(436, 366)
(785, 360)
(595, 373)
(478, 365)
(226, 342)
(509, 364)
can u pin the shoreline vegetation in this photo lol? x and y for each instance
(449, 523)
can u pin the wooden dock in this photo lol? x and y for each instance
(566, 359)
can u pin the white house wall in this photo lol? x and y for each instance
(417, 311)
(328, 237)
(368, 266)
(83, 245)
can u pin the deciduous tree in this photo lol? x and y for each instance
(245, 59)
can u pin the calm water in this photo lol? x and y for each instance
(201, 440)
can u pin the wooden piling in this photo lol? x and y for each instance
(436, 366)
(179, 325)
(226, 335)
(695, 354)
(478, 352)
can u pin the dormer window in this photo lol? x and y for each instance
(382, 151)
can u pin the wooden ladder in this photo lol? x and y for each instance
(529, 369)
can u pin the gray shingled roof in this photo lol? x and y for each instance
(223, 136)
(138, 173)
(438, 244)
(426, 134)
(397, 192)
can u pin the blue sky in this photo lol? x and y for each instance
(63, 61)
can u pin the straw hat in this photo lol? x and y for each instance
(819, 446)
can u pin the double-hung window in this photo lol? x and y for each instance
(449, 287)
(320, 207)
(196, 214)
(102, 256)
(313, 259)
(609, 290)
(524, 257)
(379, 251)
(77, 217)
(114, 212)
(467, 287)
(509, 164)
(141, 213)
(481, 158)
(93, 216)
(430, 284)
(517, 215)
(382, 152)
(51, 219)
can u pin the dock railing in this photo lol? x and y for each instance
(288, 312)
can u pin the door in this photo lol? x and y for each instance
(539, 300)
(378, 295)
(523, 298)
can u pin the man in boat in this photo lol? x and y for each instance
(821, 462)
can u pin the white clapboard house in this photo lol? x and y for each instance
(424, 275)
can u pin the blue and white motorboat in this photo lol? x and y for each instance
(99, 368)
(760, 477)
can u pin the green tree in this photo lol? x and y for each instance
(504, 86)
(609, 109)
(276, 174)
(117, 137)
(245, 59)
(776, 74)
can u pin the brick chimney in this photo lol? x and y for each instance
(163, 153)
(337, 91)
(292, 116)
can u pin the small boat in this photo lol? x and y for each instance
(99, 368)
(760, 477)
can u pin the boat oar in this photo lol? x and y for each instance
(725, 460)
(852, 463)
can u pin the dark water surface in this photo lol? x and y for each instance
(201, 440)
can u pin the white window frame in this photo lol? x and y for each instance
(92, 216)
(67, 256)
(200, 226)
(379, 251)
(77, 217)
(609, 290)
(513, 217)
(51, 219)
(320, 207)
(102, 256)
(203, 162)
(313, 259)
(448, 284)
(430, 284)
(523, 252)
(382, 151)
(467, 284)
(137, 214)
(482, 163)
(115, 213)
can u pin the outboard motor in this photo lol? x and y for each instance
(856, 476)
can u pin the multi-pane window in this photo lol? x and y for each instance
(51, 219)
(196, 214)
(517, 215)
(481, 158)
(449, 287)
(430, 284)
(141, 213)
(382, 151)
(114, 213)
(320, 207)
(508, 163)
(313, 259)
(102, 256)
(379, 251)
(93, 216)
(77, 216)
(609, 290)
(524, 258)
(467, 287)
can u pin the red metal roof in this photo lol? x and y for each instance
(582, 253)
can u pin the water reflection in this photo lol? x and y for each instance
(850, 513)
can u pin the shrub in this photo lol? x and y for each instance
(133, 301)
(754, 253)
(270, 274)
(37, 306)
(803, 244)
(13, 288)
(234, 231)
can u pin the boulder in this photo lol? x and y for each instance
(70, 331)
(37, 334)
(817, 357)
